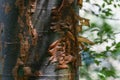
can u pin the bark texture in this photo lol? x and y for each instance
(10, 44)
(55, 21)
(40, 39)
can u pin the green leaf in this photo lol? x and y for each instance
(101, 75)
(108, 72)
(115, 5)
(119, 5)
(108, 13)
(103, 5)
(97, 40)
(95, 30)
(108, 48)
(117, 45)
(97, 62)
(109, 2)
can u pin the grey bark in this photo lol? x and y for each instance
(10, 42)
(41, 21)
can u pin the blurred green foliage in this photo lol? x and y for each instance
(105, 33)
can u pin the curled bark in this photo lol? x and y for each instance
(53, 37)
(27, 33)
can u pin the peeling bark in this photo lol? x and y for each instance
(56, 22)
(41, 39)
(28, 38)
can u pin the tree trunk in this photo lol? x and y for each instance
(43, 20)
(55, 56)
(10, 44)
